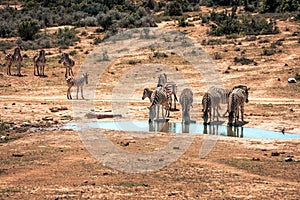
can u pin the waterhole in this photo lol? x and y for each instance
(178, 127)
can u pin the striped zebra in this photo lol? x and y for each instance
(162, 80)
(151, 95)
(15, 58)
(210, 107)
(161, 97)
(221, 93)
(186, 101)
(79, 82)
(39, 63)
(171, 88)
(237, 98)
(68, 63)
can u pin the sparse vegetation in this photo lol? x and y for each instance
(243, 60)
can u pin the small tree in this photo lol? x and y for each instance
(27, 29)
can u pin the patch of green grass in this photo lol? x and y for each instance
(9, 190)
(239, 163)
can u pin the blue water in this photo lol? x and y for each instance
(172, 127)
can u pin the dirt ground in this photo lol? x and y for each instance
(39, 160)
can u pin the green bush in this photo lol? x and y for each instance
(243, 60)
(27, 29)
(173, 9)
(268, 52)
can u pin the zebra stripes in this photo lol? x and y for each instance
(68, 63)
(186, 101)
(236, 102)
(79, 82)
(39, 63)
(210, 107)
(15, 58)
(161, 97)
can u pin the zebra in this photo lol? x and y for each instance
(237, 98)
(151, 95)
(161, 97)
(210, 106)
(39, 63)
(162, 80)
(222, 93)
(68, 63)
(79, 82)
(186, 100)
(171, 88)
(16, 58)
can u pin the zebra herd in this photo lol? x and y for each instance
(211, 101)
(39, 63)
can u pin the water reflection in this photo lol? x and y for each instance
(192, 128)
(213, 129)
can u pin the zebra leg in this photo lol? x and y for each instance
(82, 92)
(242, 112)
(71, 70)
(66, 74)
(69, 96)
(19, 69)
(175, 99)
(8, 69)
(77, 92)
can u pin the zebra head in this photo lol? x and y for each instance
(245, 88)
(63, 57)
(42, 52)
(85, 76)
(162, 80)
(146, 93)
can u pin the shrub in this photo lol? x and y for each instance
(243, 60)
(268, 52)
(6, 30)
(182, 22)
(27, 29)
(173, 9)
(217, 56)
(65, 37)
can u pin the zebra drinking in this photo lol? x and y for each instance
(237, 99)
(79, 82)
(15, 58)
(39, 63)
(68, 63)
(161, 97)
(171, 88)
(210, 106)
(186, 100)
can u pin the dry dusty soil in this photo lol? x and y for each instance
(39, 160)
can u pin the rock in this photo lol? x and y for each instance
(17, 155)
(256, 159)
(47, 118)
(288, 159)
(177, 148)
(292, 80)
(275, 154)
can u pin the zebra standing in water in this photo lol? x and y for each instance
(237, 98)
(39, 63)
(68, 63)
(171, 88)
(79, 82)
(186, 100)
(210, 106)
(151, 95)
(220, 93)
(161, 97)
(15, 58)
